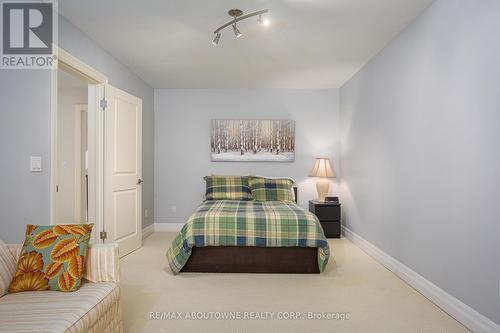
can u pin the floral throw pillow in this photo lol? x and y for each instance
(52, 258)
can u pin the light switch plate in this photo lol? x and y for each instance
(36, 163)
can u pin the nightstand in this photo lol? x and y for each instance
(328, 214)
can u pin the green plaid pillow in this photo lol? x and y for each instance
(269, 189)
(227, 188)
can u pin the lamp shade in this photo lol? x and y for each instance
(322, 168)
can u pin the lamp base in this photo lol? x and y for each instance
(322, 186)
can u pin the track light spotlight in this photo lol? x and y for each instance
(216, 38)
(237, 32)
(265, 22)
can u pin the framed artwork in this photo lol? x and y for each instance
(248, 140)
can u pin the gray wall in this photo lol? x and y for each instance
(182, 140)
(25, 131)
(420, 150)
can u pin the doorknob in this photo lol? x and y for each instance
(140, 181)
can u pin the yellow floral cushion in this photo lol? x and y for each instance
(52, 258)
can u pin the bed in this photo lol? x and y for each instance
(235, 236)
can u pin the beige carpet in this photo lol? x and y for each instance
(353, 283)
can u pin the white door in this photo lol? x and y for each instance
(122, 169)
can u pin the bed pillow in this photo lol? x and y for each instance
(227, 188)
(52, 258)
(272, 189)
(7, 268)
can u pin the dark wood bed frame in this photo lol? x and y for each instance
(243, 259)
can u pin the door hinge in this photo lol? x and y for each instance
(103, 235)
(57, 188)
(103, 103)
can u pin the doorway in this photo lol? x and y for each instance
(71, 204)
(96, 150)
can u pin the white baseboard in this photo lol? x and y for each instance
(161, 227)
(168, 227)
(147, 231)
(454, 307)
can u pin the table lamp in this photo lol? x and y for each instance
(323, 169)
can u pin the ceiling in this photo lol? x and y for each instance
(309, 44)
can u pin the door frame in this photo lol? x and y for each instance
(79, 68)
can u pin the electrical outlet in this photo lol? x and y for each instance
(174, 209)
(145, 213)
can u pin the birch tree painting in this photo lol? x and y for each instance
(253, 140)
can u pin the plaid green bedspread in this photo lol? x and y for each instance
(248, 223)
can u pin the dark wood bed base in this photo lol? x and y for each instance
(242, 259)
(251, 259)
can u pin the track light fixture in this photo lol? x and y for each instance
(237, 15)
(216, 38)
(237, 32)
